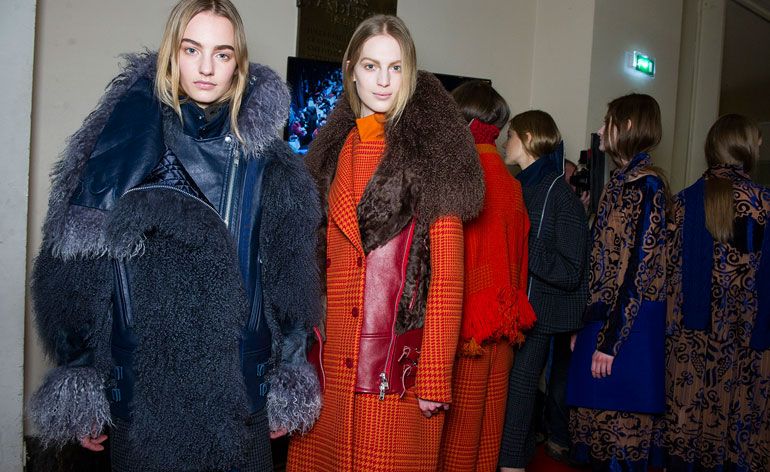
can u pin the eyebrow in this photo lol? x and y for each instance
(364, 58)
(216, 48)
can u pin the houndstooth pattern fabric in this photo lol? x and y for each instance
(358, 431)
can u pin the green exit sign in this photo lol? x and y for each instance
(644, 64)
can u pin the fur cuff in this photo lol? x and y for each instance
(294, 399)
(69, 405)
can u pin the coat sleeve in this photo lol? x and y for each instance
(71, 304)
(560, 261)
(441, 330)
(643, 260)
(291, 286)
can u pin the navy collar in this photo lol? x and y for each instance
(201, 123)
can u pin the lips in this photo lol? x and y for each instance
(203, 85)
(383, 96)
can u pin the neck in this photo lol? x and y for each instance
(526, 161)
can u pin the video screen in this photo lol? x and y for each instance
(315, 87)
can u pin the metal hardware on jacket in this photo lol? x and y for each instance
(387, 361)
(209, 260)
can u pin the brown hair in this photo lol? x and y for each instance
(477, 99)
(732, 139)
(394, 27)
(539, 124)
(167, 86)
(622, 142)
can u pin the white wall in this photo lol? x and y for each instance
(653, 27)
(491, 39)
(17, 34)
(700, 67)
(561, 73)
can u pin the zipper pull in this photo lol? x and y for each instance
(383, 385)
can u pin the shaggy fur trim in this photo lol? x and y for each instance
(71, 302)
(290, 212)
(189, 400)
(294, 399)
(65, 176)
(70, 232)
(263, 114)
(430, 140)
(69, 405)
(430, 169)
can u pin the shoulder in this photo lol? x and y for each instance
(265, 108)
(650, 178)
(287, 175)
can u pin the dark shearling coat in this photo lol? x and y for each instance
(429, 169)
(187, 299)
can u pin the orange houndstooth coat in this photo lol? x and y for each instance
(429, 164)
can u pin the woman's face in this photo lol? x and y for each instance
(207, 58)
(600, 132)
(514, 149)
(377, 74)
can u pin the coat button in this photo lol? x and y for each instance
(359, 261)
(328, 262)
(348, 362)
(228, 139)
(354, 312)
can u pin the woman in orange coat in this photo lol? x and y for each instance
(495, 306)
(397, 170)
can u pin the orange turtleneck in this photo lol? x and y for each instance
(368, 149)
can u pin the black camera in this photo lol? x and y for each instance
(581, 178)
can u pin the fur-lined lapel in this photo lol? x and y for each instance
(430, 167)
(79, 232)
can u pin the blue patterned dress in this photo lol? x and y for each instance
(613, 422)
(718, 384)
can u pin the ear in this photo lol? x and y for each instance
(527, 137)
(629, 125)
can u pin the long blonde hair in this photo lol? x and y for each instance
(167, 86)
(732, 139)
(394, 27)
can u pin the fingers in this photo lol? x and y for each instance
(93, 444)
(278, 433)
(572, 340)
(601, 365)
(429, 408)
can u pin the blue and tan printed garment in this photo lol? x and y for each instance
(718, 390)
(625, 318)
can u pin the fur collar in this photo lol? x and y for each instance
(70, 232)
(430, 161)
(430, 169)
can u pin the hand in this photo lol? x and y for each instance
(572, 340)
(278, 433)
(429, 408)
(601, 365)
(93, 443)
